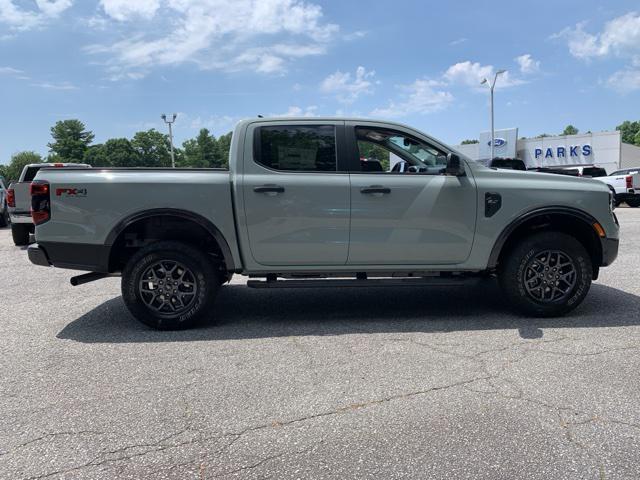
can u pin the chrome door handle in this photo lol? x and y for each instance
(373, 189)
(269, 189)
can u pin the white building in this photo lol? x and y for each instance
(603, 149)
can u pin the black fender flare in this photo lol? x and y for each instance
(175, 212)
(539, 212)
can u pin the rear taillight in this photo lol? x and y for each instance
(40, 201)
(11, 197)
(629, 180)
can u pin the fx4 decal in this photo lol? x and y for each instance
(71, 192)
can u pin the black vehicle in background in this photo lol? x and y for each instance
(590, 171)
(508, 163)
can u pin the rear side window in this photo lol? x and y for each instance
(30, 174)
(296, 148)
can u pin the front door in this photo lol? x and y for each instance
(404, 209)
(296, 199)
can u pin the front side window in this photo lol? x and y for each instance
(297, 148)
(383, 150)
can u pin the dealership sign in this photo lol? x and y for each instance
(563, 152)
(497, 142)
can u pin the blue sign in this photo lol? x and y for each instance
(497, 142)
(561, 152)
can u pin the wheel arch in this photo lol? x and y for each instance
(572, 221)
(116, 235)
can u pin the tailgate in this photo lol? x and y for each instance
(23, 196)
(636, 181)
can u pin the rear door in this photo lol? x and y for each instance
(408, 212)
(296, 193)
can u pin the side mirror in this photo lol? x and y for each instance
(455, 166)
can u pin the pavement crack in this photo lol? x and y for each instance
(265, 460)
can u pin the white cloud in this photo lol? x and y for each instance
(214, 123)
(347, 88)
(10, 71)
(422, 96)
(19, 18)
(53, 8)
(527, 64)
(295, 111)
(260, 35)
(123, 10)
(457, 41)
(55, 86)
(620, 36)
(472, 73)
(625, 81)
(358, 34)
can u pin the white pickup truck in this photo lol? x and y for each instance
(626, 185)
(19, 200)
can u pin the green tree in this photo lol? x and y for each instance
(469, 142)
(17, 163)
(629, 130)
(224, 145)
(570, 130)
(153, 149)
(95, 156)
(119, 152)
(636, 139)
(70, 140)
(200, 152)
(542, 135)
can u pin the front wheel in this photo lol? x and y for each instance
(546, 275)
(170, 285)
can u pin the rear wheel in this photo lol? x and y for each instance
(170, 285)
(633, 202)
(546, 275)
(20, 233)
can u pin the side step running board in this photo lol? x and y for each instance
(88, 277)
(374, 282)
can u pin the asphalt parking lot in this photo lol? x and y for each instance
(336, 383)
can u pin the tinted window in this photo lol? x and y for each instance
(297, 148)
(383, 150)
(508, 163)
(30, 174)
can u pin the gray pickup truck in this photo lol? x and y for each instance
(306, 204)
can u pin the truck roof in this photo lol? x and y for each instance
(311, 120)
(321, 119)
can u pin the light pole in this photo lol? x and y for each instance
(491, 87)
(170, 122)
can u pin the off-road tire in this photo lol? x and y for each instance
(521, 262)
(20, 233)
(633, 202)
(204, 275)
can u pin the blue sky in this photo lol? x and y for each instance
(118, 64)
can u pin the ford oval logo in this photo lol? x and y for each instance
(498, 142)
